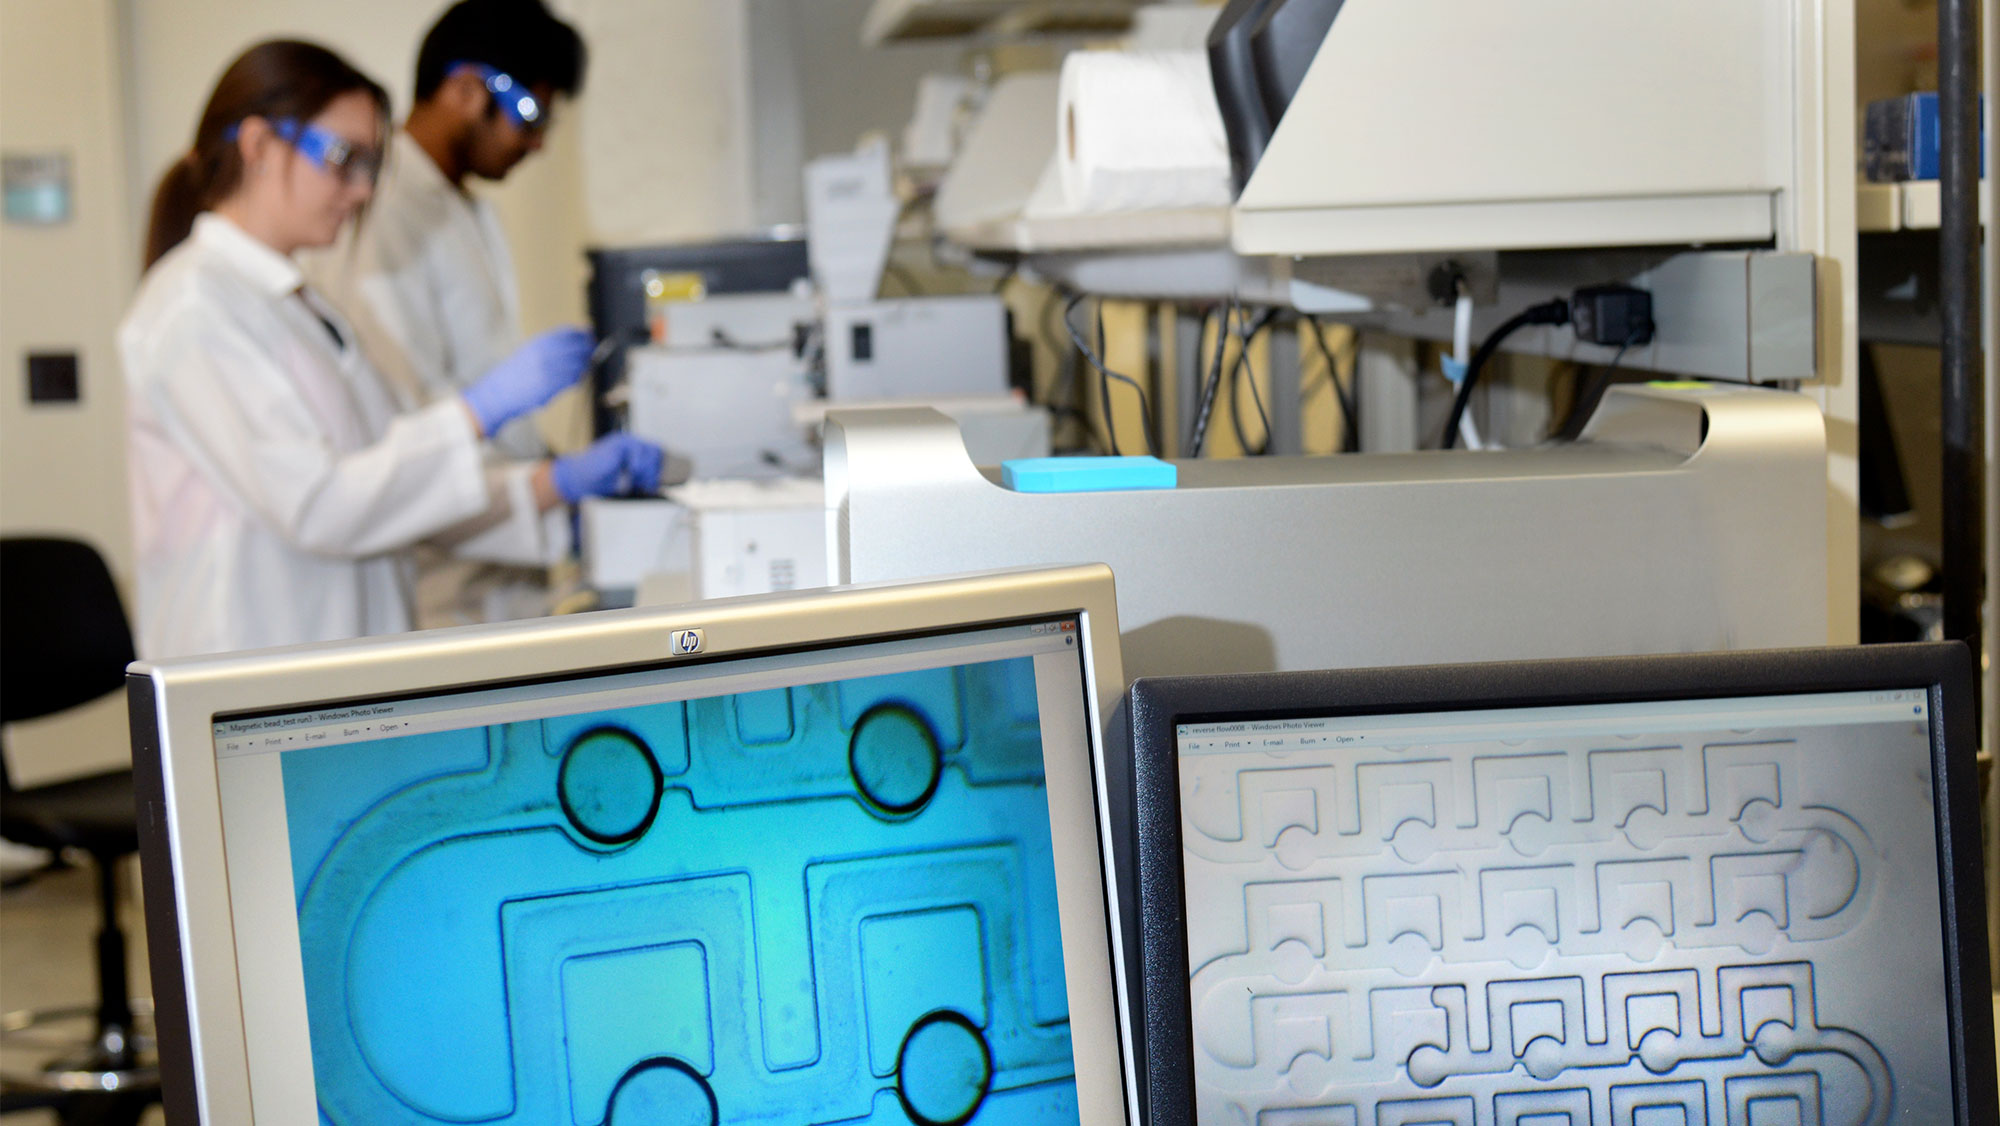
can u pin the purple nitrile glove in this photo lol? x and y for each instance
(530, 376)
(614, 465)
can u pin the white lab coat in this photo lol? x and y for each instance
(426, 279)
(275, 487)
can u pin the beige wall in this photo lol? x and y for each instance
(849, 89)
(664, 125)
(686, 130)
(62, 467)
(177, 48)
(1895, 49)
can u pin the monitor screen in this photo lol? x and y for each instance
(1709, 909)
(822, 884)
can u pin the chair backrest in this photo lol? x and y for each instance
(64, 639)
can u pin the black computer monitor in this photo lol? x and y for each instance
(1721, 888)
(616, 292)
(1258, 55)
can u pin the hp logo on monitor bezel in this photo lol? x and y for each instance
(687, 642)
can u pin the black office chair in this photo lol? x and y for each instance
(64, 642)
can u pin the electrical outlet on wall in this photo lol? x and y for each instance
(53, 378)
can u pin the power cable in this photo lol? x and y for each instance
(1214, 383)
(1588, 395)
(1105, 375)
(1063, 396)
(1554, 312)
(1350, 431)
(1248, 334)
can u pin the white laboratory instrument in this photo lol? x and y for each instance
(889, 349)
(902, 348)
(1686, 520)
(995, 428)
(728, 411)
(930, 139)
(914, 347)
(626, 541)
(755, 537)
(735, 320)
(851, 211)
(732, 387)
(707, 539)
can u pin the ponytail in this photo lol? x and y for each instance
(180, 197)
(281, 78)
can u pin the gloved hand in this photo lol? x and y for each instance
(615, 464)
(529, 377)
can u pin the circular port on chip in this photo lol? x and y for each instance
(662, 1092)
(610, 786)
(895, 759)
(944, 1070)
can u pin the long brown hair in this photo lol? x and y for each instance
(274, 79)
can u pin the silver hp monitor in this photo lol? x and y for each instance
(830, 856)
(1717, 890)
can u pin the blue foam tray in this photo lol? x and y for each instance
(1086, 474)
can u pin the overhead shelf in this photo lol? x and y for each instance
(910, 21)
(1127, 230)
(1002, 193)
(1897, 276)
(1673, 131)
(1111, 231)
(1915, 205)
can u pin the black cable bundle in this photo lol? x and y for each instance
(1591, 392)
(1105, 375)
(1213, 384)
(1554, 312)
(1344, 397)
(1248, 335)
(1066, 391)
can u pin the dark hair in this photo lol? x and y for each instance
(521, 37)
(279, 78)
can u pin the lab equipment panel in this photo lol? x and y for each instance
(728, 411)
(1689, 519)
(916, 348)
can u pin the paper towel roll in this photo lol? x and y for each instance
(1140, 131)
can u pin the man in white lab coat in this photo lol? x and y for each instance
(426, 276)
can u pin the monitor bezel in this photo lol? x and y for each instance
(173, 705)
(1156, 705)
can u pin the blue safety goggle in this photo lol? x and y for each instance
(333, 153)
(521, 107)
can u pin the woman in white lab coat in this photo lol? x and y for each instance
(274, 488)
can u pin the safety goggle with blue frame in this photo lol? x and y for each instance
(330, 151)
(515, 101)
